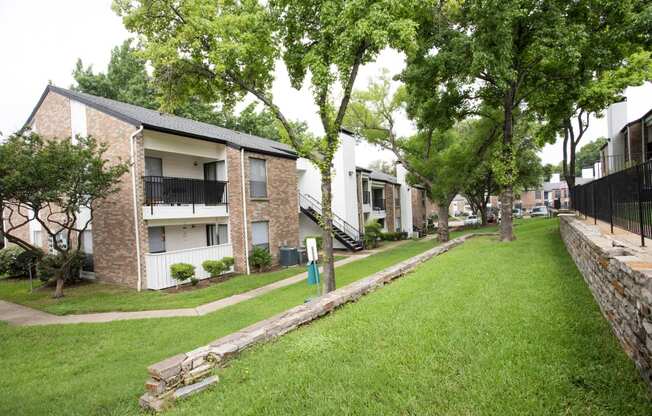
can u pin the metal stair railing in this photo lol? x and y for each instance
(309, 202)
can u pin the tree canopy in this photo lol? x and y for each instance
(127, 80)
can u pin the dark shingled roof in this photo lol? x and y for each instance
(168, 123)
(381, 176)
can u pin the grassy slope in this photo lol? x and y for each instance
(487, 329)
(98, 297)
(99, 369)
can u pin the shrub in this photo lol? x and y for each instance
(260, 259)
(194, 281)
(8, 261)
(228, 262)
(50, 266)
(214, 267)
(182, 272)
(372, 233)
(392, 236)
(318, 238)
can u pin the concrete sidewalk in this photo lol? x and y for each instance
(20, 315)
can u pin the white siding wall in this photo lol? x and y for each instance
(180, 237)
(406, 199)
(77, 119)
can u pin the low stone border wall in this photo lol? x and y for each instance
(185, 374)
(620, 279)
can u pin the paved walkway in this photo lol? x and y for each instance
(24, 316)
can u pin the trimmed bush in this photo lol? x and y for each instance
(395, 236)
(49, 266)
(260, 259)
(214, 267)
(228, 262)
(318, 238)
(182, 272)
(8, 261)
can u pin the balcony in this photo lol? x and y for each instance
(615, 163)
(170, 198)
(378, 204)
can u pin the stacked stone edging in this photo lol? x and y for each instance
(188, 373)
(621, 283)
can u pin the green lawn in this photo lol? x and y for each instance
(98, 297)
(99, 369)
(487, 329)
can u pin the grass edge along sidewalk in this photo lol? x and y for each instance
(185, 374)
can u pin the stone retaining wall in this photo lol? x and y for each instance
(185, 374)
(620, 279)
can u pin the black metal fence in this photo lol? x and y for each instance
(622, 199)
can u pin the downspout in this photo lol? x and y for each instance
(244, 210)
(135, 200)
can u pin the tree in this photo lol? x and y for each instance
(475, 55)
(479, 187)
(36, 187)
(224, 50)
(588, 155)
(383, 166)
(549, 169)
(435, 158)
(608, 56)
(127, 80)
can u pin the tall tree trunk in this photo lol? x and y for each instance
(442, 222)
(327, 227)
(483, 213)
(507, 197)
(58, 291)
(506, 223)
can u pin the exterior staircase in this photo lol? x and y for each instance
(344, 232)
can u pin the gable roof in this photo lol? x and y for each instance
(168, 123)
(383, 177)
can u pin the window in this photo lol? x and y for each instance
(217, 234)
(258, 178)
(537, 195)
(87, 249)
(156, 239)
(260, 234)
(62, 242)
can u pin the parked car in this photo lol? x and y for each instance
(472, 220)
(539, 212)
(517, 213)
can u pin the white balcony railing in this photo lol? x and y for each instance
(158, 264)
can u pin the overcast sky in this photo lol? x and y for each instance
(42, 39)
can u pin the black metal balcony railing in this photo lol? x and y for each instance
(378, 205)
(615, 163)
(163, 190)
(623, 199)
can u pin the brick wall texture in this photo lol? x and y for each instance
(114, 236)
(280, 209)
(621, 284)
(390, 212)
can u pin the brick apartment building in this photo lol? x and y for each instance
(195, 191)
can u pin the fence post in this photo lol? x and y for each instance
(611, 206)
(640, 203)
(595, 214)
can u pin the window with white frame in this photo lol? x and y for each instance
(217, 234)
(37, 238)
(260, 234)
(257, 178)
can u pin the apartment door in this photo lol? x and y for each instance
(156, 239)
(214, 191)
(154, 188)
